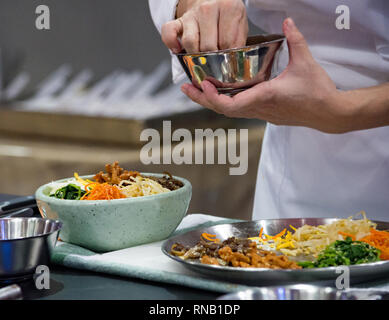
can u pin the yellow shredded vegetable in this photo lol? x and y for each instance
(310, 240)
(82, 181)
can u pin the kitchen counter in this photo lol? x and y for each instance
(72, 284)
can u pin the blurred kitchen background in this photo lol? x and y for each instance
(77, 96)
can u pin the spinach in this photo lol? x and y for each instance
(344, 252)
(69, 192)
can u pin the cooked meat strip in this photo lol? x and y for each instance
(236, 252)
(209, 260)
(168, 182)
(114, 174)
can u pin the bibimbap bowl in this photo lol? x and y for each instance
(108, 225)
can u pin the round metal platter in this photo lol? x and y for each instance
(262, 276)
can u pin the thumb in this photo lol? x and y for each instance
(170, 32)
(298, 48)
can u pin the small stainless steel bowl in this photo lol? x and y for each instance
(293, 292)
(233, 70)
(305, 292)
(25, 243)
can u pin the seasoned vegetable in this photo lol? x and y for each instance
(103, 191)
(380, 240)
(344, 252)
(69, 192)
(310, 240)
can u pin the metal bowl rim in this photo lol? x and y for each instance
(58, 226)
(218, 52)
(238, 270)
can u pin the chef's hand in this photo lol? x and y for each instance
(302, 95)
(205, 25)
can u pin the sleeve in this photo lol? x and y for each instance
(163, 11)
(264, 16)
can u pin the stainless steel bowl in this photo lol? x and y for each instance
(233, 70)
(305, 292)
(25, 243)
(296, 292)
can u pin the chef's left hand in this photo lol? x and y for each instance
(302, 95)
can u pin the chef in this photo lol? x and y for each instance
(326, 147)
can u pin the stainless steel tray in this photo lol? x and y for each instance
(257, 276)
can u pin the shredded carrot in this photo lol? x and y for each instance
(380, 240)
(90, 186)
(103, 191)
(279, 234)
(260, 233)
(345, 234)
(210, 237)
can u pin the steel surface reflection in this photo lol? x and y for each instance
(233, 70)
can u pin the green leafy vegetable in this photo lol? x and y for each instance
(344, 252)
(69, 192)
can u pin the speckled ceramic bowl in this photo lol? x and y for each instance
(107, 225)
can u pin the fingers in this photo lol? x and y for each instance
(208, 22)
(256, 102)
(233, 26)
(208, 98)
(211, 99)
(298, 47)
(191, 34)
(243, 30)
(261, 95)
(208, 26)
(196, 95)
(220, 102)
(170, 32)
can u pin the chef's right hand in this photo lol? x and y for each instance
(206, 25)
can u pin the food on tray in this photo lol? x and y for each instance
(342, 242)
(344, 252)
(311, 240)
(380, 240)
(233, 252)
(115, 183)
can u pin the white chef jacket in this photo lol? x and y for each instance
(304, 172)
